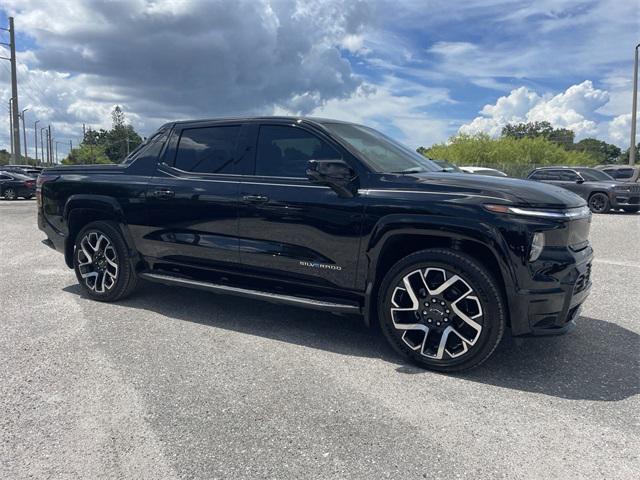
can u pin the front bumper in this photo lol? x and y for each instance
(553, 311)
(619, 200)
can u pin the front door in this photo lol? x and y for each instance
(289, 227)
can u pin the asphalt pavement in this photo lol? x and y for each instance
(177, 383)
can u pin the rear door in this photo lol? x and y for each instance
(192, 199)
(289, 228)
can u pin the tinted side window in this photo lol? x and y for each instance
(207, 149)
(567, 175)
(621, 173)
(284, 151)
(547, 175)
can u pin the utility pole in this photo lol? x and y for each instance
(35, 134)
(634, 110)
(11, 127)
(15, 124)
(24, 133)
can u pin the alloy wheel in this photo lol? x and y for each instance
(438, 313)
(97, 262)
(598, 203)
(10, 194)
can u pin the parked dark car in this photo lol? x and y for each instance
(27, 170)
(14, 185)
(601, 191)
(333, 216)
(622, 173)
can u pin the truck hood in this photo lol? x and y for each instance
(521, 192)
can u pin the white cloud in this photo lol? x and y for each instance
(166, 60)
(577, 108)
(619, 130)
(395, 105)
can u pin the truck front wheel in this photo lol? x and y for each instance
(102, 263)
(442, 310)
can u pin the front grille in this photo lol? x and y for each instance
(583, 280)
(635, 189)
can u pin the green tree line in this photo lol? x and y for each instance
(523, 146)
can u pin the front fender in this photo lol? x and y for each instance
(450, 231)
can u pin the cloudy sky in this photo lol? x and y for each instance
(420, 70)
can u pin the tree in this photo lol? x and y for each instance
(602, 152)
(624, 158)
(117, 118)
(116, 142)
(561, 136)
(515, 156)
(87, 154)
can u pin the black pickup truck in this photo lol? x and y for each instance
(327, 215)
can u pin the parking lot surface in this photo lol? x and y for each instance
(177, 383)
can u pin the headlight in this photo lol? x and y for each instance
(537, 245)
(622, 188)
(567, 214)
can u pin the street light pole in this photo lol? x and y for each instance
(35, 134)
(44, 161)
(24, 134)
(634, 110)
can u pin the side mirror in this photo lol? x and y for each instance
(580, 180)
(332, 173)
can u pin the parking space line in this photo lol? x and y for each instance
(617, 262)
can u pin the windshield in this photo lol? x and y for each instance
(383, 154)
(593, 175)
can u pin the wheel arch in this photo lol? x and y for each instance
(592, 193)
(396, 243)
(80, 210)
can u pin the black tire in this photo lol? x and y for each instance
(487, 298)
(10, 193)
(104, 287)
(631, 209)
(599, 203)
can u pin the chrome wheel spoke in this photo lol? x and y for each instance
(440, 316)
(97, 262)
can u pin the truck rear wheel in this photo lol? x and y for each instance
(442, 310)
(101, 262)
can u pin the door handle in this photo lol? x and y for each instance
(255, 198)
(163, 193)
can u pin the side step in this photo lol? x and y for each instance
(257, 294)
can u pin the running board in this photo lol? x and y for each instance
(257, 294)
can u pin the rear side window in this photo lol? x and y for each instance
(620, 172)
(540, 175)
(207, 149)
(284, 151)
